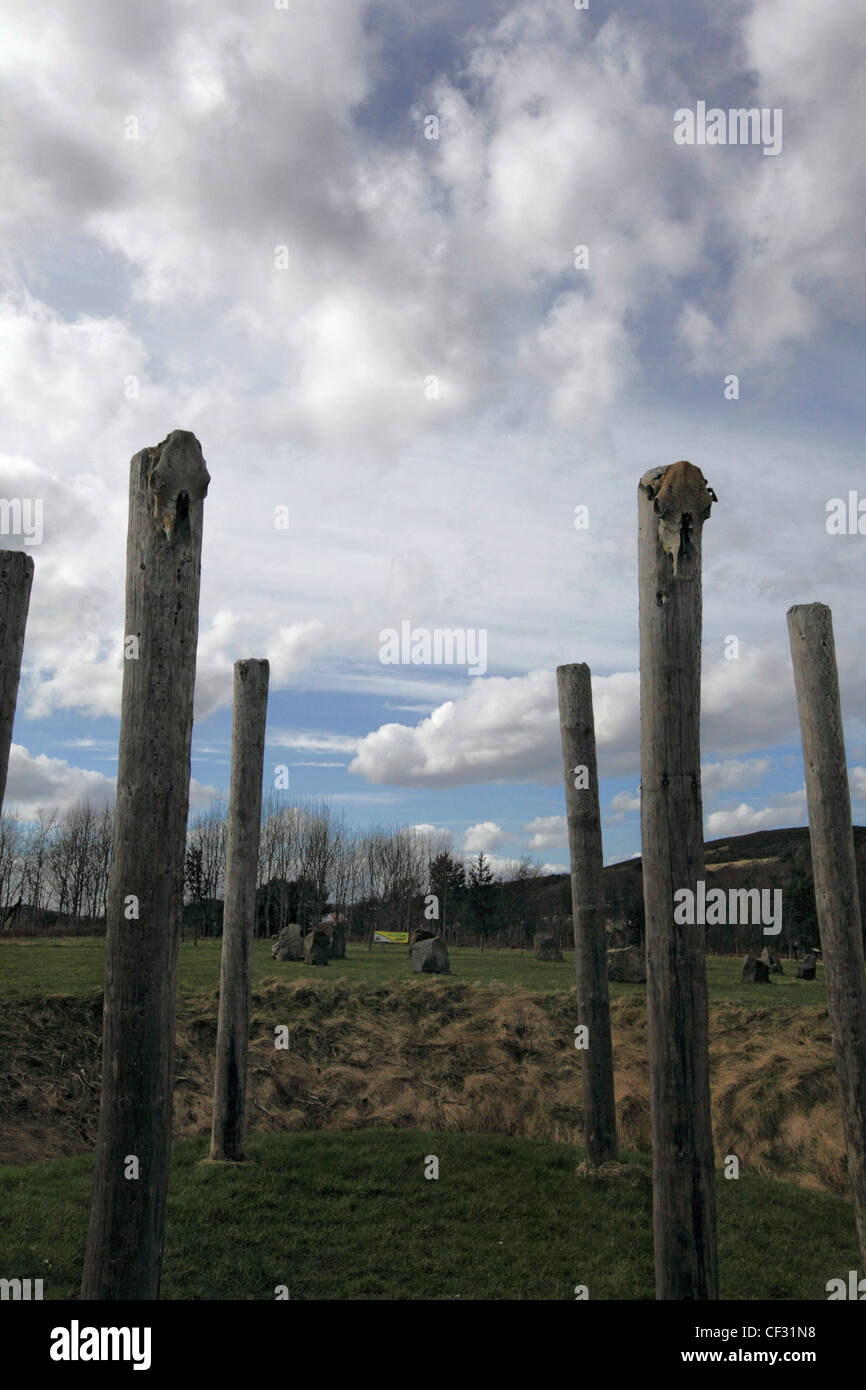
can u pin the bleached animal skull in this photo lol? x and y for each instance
(681, 497)
(178, 475)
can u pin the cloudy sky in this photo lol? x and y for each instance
(244, 221)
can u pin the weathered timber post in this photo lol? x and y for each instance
(239, 918)
(145, 893)
(577, 727)
(16, 580)
(673, 504)
(810, 628)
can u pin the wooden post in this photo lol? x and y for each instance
(577, 727)
(145, 895)
(673, 504)
(239, 918)
(16, 580)
(810, 629)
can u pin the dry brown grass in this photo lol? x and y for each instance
(439, 1055)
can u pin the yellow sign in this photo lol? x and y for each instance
(391, 936)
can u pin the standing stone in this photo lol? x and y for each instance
(756, 970)
(771, 960)
(626, 965)
(317, 947)
(807, 969)
(430, 957)
(289, 945)
(546, 947)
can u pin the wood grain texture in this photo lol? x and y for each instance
(163, 565)
(672, 507)
(837, 901)
(577, 727)
(16, 581)
(242, 866)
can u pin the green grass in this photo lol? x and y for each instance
(351, 1216)
(32, 967)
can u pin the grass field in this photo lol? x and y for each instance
(384, 1067)
(34, 967)
(351, 1216)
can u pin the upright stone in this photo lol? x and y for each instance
(771, 960)
(317, 947)
(289, 945)
(807, 968)
(430, 957)
(546, 947)
(242, 861)
(167, 487)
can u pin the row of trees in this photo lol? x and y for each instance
(55, 865)
(376, 879)
(54, 871)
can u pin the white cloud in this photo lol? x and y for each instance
(732, 774)
(48, 782)
(36, 781)
(786, 809)
(484, 837)
(547, 832)
(315, 742)
(857, 784)
(292, 650)
(505, 728)
(622, 803)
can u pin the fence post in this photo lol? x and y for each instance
(837, 900)
(577, 727)
(673, 504)
(145, 896)
(239, 917)
(16, 580)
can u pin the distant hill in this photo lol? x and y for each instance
(763, 859)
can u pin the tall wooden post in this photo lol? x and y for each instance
(239, 918)
(810, 629)
(145, 895)
(673, 504)
(577, 727)
(16, 580)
